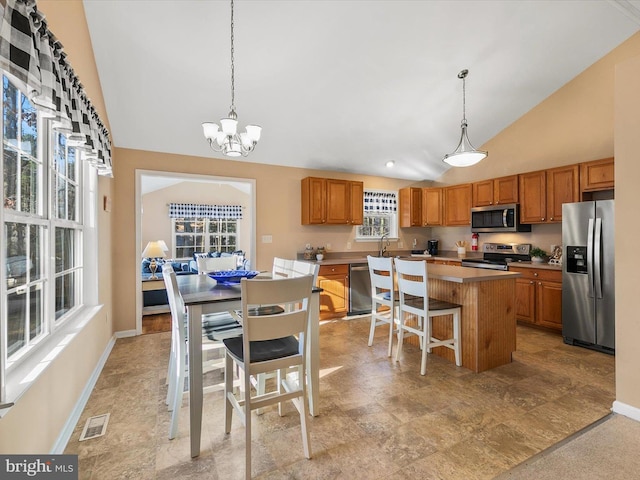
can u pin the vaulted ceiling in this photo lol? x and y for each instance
(341, 85)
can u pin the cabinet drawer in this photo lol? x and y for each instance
(333, 270)
(538, 274)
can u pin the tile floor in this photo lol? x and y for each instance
(379, 419)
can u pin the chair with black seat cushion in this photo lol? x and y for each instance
(414, 300)
(383, 298)
(273, 339)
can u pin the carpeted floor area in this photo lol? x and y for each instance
(607, 449)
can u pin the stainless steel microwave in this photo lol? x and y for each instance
(497, 218)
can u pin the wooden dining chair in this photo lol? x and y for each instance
(414, 300)
(270, 341)
(215, 327)
(383, 299)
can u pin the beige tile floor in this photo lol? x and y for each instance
(379, 419)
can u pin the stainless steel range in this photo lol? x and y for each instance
(497, 256)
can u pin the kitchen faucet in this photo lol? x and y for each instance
(383, 249)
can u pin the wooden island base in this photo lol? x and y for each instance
(488, 321)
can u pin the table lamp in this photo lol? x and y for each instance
(152, 251)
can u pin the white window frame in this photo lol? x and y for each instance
(205, 234)
(392, 233)
(18, 372)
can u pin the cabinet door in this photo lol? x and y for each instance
(357, 203)
(483, 193)
(597, 175)
(525, 300)
(431, 206)
(562, 187)
(410, 205)
(338, 201)
(505, 190)
(314, 200)
(457, 205)
(533, 200)
(549, 304)
(334, 299)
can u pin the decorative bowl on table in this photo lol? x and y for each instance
(232, 276)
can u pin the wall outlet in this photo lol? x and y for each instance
(267, 239)
(348, 245)
(400, 244)
(328, 246)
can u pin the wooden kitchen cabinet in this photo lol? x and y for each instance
(410, 207)
(542, 193)
(432, 207)
(597, 175)
(457, 205)
(331, 201)
(539, 297)
(334, 298)
(496, 191)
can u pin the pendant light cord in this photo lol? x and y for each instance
(233, 99)
(463, 76)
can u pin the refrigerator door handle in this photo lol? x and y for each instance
(590, 257)
(597, 260)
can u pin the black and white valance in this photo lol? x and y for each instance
(380, 203)
(193, 210)
(32, 55)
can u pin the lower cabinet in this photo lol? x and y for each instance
(539, 297)
(334, 298)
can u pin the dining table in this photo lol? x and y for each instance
(201, 295)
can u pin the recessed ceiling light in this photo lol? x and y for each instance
(390, 164)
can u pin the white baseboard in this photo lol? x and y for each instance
(62, 440)
(126, 333)
(626, 410)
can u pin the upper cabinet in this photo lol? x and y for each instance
(331, 201)
(497, 191)
(410, 207)
(597, 175)
(542, 193)
(457, 205)
(432, 207)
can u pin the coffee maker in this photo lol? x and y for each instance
(432, 247)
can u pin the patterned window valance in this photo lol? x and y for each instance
(193, 210)
(32, 55)
(381, 203)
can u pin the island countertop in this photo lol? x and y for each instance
(454, 273)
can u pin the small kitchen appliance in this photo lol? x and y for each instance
(498, 256)
(432, 247)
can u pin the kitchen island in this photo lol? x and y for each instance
(488, 320)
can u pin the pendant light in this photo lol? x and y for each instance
(465, 154)
(225, 138)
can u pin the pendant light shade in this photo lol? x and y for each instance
(465, 153)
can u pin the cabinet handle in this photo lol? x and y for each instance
(551, 219)
(531, 282)
(542, 219)
(535, 274)
(539, 283)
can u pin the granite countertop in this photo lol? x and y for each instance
(342, 258)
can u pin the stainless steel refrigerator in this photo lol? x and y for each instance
(588, 288)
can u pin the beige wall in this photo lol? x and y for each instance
(627, 146)
(277, 214)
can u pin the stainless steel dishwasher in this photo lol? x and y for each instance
(359, 289)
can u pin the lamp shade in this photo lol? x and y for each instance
(163, 245)
(153, 250)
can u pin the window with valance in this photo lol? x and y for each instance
(380, 215)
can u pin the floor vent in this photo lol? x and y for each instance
(95, 427)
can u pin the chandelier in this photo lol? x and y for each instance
(465, 154)
(225, 138)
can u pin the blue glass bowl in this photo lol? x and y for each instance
(232, 276)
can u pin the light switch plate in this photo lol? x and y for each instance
(267, 239)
